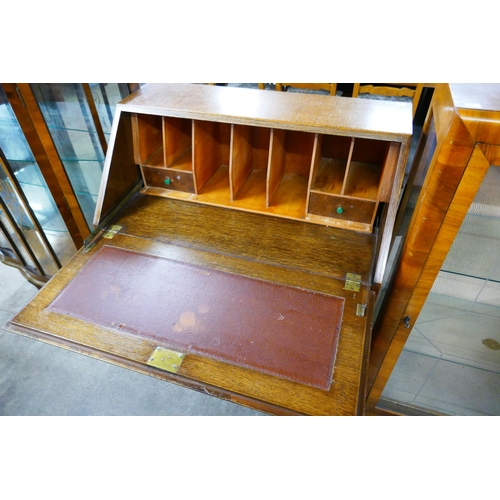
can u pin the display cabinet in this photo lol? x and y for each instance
(460, 144)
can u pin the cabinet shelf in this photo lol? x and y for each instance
(319, 178)
(155, 160)
(184, 163)
(330, 176)
(330, 160)
(363, 180)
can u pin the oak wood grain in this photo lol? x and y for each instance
(252, 245)
(292, 111)
(250, 151)
(388, 172)
(120, 174)
(150, 135)
(210, 151)
(163, 178)
(277, 162)
(278, 242)
(291, 158)
(342, 208)
(177, 139)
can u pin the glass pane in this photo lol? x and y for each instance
(106, 97)
(20, 252)
(451, 361)
(15, 215)
(71, 126)
(26, 170)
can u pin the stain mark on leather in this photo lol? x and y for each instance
(491, 344)
(187, 319)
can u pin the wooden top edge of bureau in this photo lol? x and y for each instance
(307, 112)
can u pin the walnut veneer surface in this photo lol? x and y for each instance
(462, 138)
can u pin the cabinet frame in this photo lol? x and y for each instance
(458, 145)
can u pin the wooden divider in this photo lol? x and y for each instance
(210, 151)
(150, 140)
(350, 176)
(249, 160)
(277, 158)
(330, 163)
(289, 166)
(178, 141)
(317, 177)
(388, 172)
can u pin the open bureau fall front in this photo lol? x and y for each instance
(241, 237)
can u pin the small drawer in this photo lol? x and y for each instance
(168, 179)
(342, 207)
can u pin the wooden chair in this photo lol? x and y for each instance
(261, 86)
(412, 90)
(330, 87)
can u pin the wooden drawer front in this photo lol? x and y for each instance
(352, 209)
(179, 181)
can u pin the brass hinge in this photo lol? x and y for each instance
(165, 359)
(111, 232)
(90, 243)
(352, 282)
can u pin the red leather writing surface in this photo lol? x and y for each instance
(276, 329)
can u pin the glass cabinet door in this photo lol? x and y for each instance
(69, 120)
(450, 363)
(106, 96)
(74, 131)
(25, 171)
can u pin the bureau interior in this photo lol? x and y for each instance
(289, 173)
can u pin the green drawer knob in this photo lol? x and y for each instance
(168, 180)
(340, 210)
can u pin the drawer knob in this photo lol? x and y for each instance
(167, 181)
(340, 210)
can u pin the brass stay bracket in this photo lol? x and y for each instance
(353, 282)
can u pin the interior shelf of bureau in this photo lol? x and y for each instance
(320, 178)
